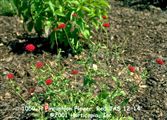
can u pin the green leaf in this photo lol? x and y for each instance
(74, 2)
(38, 25)
(26, 14)
(94, 23)
(52, 39)
(105, 3)
(103, 94)
(51, 5)
(30, 25)
(107, 107)
(125, 102)
(79, 8)
(117, 81)
(117, 93)
(71, 17)
(86, 33)
(88, 80)
(81, 22)
(58, 12)
(86, 9)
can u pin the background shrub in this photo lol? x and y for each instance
(7, 8)
(62, 21)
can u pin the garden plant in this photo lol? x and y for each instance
(63, 22)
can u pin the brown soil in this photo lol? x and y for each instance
(141, 34)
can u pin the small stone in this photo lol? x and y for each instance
(69, 55)
(1, 44)
(143, 86)
(21, 73)
(39, 89)
(76, 57)
(94, 67)
(155, 9)
(1, 98)
(9, 59)
(7, 95)
(163, 20)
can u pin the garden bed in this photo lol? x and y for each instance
(136, 38)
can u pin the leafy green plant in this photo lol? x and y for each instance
(59, 92)
(144, 74)
(7, 8)
(63, 21)
(55, 94)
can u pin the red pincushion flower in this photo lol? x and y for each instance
(74, 72)
(106, 24)
(39, 64)
(104, 17)
(74, 14)
(48, 81)
(30, 47)
(10, 76)
(160, 61)
(131, 68)
(61, 26)
(46, 107)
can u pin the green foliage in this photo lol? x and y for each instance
(79, 16)
(74, 95)
(88, 80)
(96, 98)
(7, 8)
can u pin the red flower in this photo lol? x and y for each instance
(132, 68)
(10, 76)
(46, 107)
(104, 17)
(48, 81)
(106, 24)
(160, 61)
(39, 64)
(74, 72)
(30, 47)
(74, 14)
(61, 26)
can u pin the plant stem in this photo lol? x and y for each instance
(68, 39)
(21, 97)
(56, 42)
(107, 38)
(11, 82)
